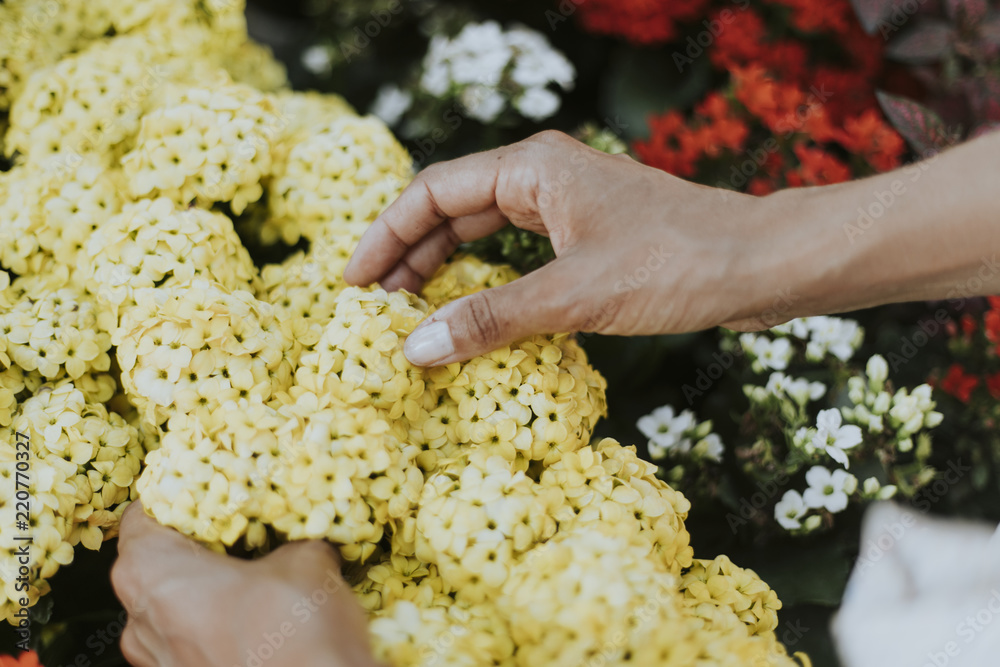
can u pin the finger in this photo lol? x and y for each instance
(299, 555)
(430, 252)
(540, 302)
(134, 649)
(141, 537)
(445, 190)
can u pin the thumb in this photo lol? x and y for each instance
(484, 321)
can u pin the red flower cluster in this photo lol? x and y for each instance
(677, 146)
(800, 101)
(798, 142)
(640, 21)
(959, 382)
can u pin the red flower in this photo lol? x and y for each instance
(968, 325)
(640, 21)
(833, 16)
(991, 324)
(869, 136)
(818, 168)
(760, 186)
(993, 385)
(958, 383)
(27, 659)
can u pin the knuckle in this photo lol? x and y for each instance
(553, 137)
(131, 646)
(121, 579)
(430, 172)
(483, 326)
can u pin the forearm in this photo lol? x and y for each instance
(927, 231)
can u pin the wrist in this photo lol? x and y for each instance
(788, 262)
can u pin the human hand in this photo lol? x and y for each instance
(638, 250)
(189, 606)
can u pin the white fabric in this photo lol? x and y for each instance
(925, 592)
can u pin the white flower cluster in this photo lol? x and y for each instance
(906, 412)
(487, 68)
(824, 337)
(780, 386)
(679, 434)
(900, 416)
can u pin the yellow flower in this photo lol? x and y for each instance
(336, 180)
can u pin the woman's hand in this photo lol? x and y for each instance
(639, 251)
(190, 607)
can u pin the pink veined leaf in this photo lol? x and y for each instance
(967, 13)
(985, 128)
(928, 41)
(872, 12)
(921, 127)
(983, 93)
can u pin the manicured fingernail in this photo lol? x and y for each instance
(429, 344)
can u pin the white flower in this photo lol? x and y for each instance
(834, 437)
(856, 390)
(776, 384)
(391, 103)
(317, 59)
(710, 447)
(790, 509)
(796, 327)
(537, 103)
(882, 403)
(537, 63)
(838, 336)
(436, 79)
(483, 103)
(768, 354)
(803, 439)
(800, 390)
(829, 490)
(666, 432)
(906, 412)
(877, 371)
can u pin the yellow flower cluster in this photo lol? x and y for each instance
(78, 477)
(190, 347)
(207, 145)
(464, 276)
(55, 331)
(337, 179)
(48, 214)
(480, 522)
(153, 243)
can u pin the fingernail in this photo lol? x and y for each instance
(429, 344)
